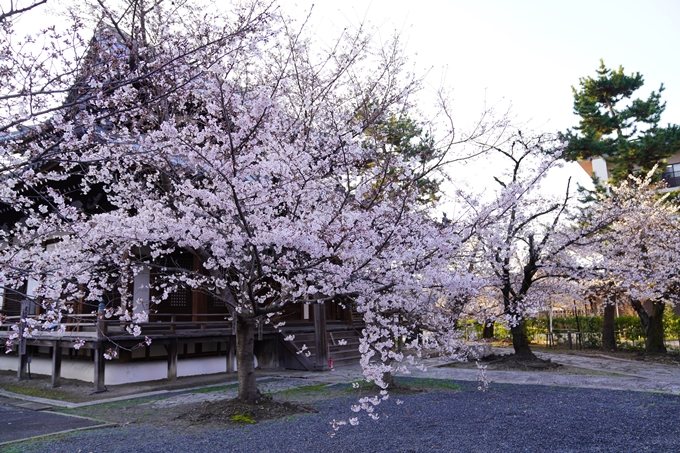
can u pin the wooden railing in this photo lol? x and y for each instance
(90, 325)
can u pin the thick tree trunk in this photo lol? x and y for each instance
(487, 333)
(520, 340)
(245, 360)
(654, 332)
(653, 325)
(388, 378)
(608, 334)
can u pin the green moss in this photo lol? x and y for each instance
(243, 418)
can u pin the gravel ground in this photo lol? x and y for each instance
(506, 418)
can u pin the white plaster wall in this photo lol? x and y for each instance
(117, 373)
(70, 369)
(600, 169)
(142, 291)
(202, 365)
(8, 362)
(30, 292)
(31, 287)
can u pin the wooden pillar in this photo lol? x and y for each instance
(22, 370)
(199, 299)
(231, 354)
(99, 364)
(321, 362)
(172, 360)
(56, 364)
(231, 343)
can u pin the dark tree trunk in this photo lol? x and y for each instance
(487, 333)
(245, 360)
(654, 332)
(388, 378)
(520, 340)
(653, 325)
(608, 334)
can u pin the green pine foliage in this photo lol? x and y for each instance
(613, 125)
(403, 136)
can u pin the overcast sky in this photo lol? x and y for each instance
(527, 52)
(523, 53)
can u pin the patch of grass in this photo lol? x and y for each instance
(36, 392)
(429, 383)
(400, 384)
(356, 386)
(14, 448)
(243, 418)
(108, 406)
(315, 388)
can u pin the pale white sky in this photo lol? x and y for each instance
(527, 52)
(524, 53)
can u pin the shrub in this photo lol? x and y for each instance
(629, 331)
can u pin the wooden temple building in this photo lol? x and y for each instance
(190, 335)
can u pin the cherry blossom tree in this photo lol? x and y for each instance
(638, 252)
(527, 251)
(56, 89)
(230, 138)
(17, 9)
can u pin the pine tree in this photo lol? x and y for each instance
(613, 125)
(624, 131)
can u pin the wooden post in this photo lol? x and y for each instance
(199, 299)
(56, 364)
(172, 360)
(99, 364)
(321, 362)
(22, 370)
(99, 322)
(231, 354)
(231, 344)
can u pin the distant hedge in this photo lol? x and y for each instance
(628, 329)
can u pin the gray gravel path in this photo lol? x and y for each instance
(508, 418)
